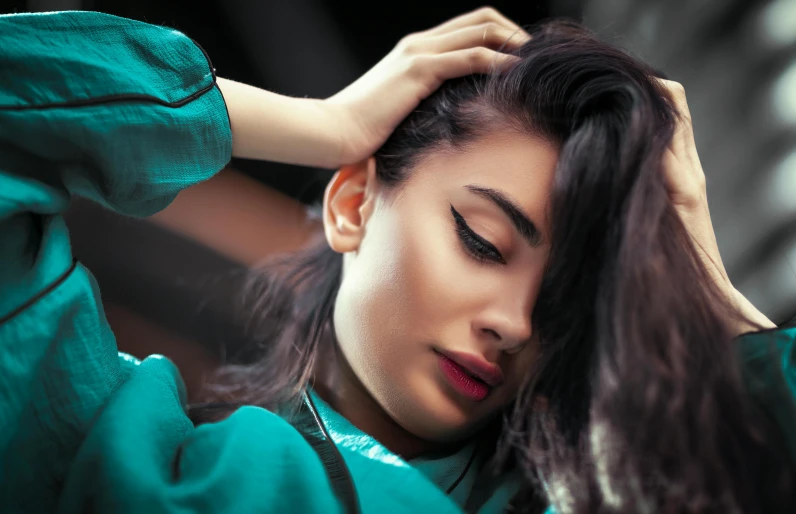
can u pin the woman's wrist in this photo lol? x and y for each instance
(273, 127)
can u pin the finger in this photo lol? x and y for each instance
(683, 142)
(490, 35)
(477, 17)
(459, 63)
(682, 167)
(677, 93)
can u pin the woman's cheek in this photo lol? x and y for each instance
(432, 273)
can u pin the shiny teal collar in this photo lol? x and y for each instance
(455, 473)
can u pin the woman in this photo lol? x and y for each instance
(398, 360)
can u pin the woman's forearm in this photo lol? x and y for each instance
(273, 127)
(352, 124)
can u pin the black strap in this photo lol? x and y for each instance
(456, 483)
(310, 425)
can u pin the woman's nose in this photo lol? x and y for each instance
(505, 322)
(508, 332)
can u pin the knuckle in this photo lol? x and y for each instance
(409, 43)
(676, 88)
(487, 11)
(478, 55)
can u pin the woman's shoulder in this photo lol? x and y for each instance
(769, 356)
(259, 454)
(768, 366)
(254, 446)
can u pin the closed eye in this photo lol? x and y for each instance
(478, 247)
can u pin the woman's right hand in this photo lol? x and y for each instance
(368, 110)
(351, 125)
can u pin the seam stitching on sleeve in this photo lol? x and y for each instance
(123, 97)
(38, 296)
(100, 100)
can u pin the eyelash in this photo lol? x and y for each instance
(478, 247)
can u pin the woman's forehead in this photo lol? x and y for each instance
(519, 165)
(505, 155)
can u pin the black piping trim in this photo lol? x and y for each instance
(131, 97)
(100, 100)
(215, 79)
(207, 58)
(455, 484)
(354, 508)
(41, 294)
(124, 97)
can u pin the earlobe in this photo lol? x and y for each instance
(347, 204)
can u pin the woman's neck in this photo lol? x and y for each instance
(336, 383)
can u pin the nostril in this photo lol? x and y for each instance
(493, 334)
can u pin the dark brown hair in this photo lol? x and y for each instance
(637, 404)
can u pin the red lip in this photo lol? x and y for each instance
(488, 372)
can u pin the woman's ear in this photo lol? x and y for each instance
(348, 203)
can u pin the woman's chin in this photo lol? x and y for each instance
(439, 418)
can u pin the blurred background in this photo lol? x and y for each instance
(170, 282)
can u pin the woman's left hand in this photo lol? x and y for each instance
(686, 184)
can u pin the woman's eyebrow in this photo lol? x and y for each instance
(522, 223)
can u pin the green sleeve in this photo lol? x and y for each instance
(127, 114)
(119, 111)
(769, 368)
(124, 113)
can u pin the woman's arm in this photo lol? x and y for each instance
(127, 114)
(686, 184)
(353, 124)
(767, 353)
(240, 218)
(271, 127)
(94, 105)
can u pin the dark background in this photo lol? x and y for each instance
(736, 58)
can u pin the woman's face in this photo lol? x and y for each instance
(441, 275)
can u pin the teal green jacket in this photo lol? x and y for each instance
(128, 114)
